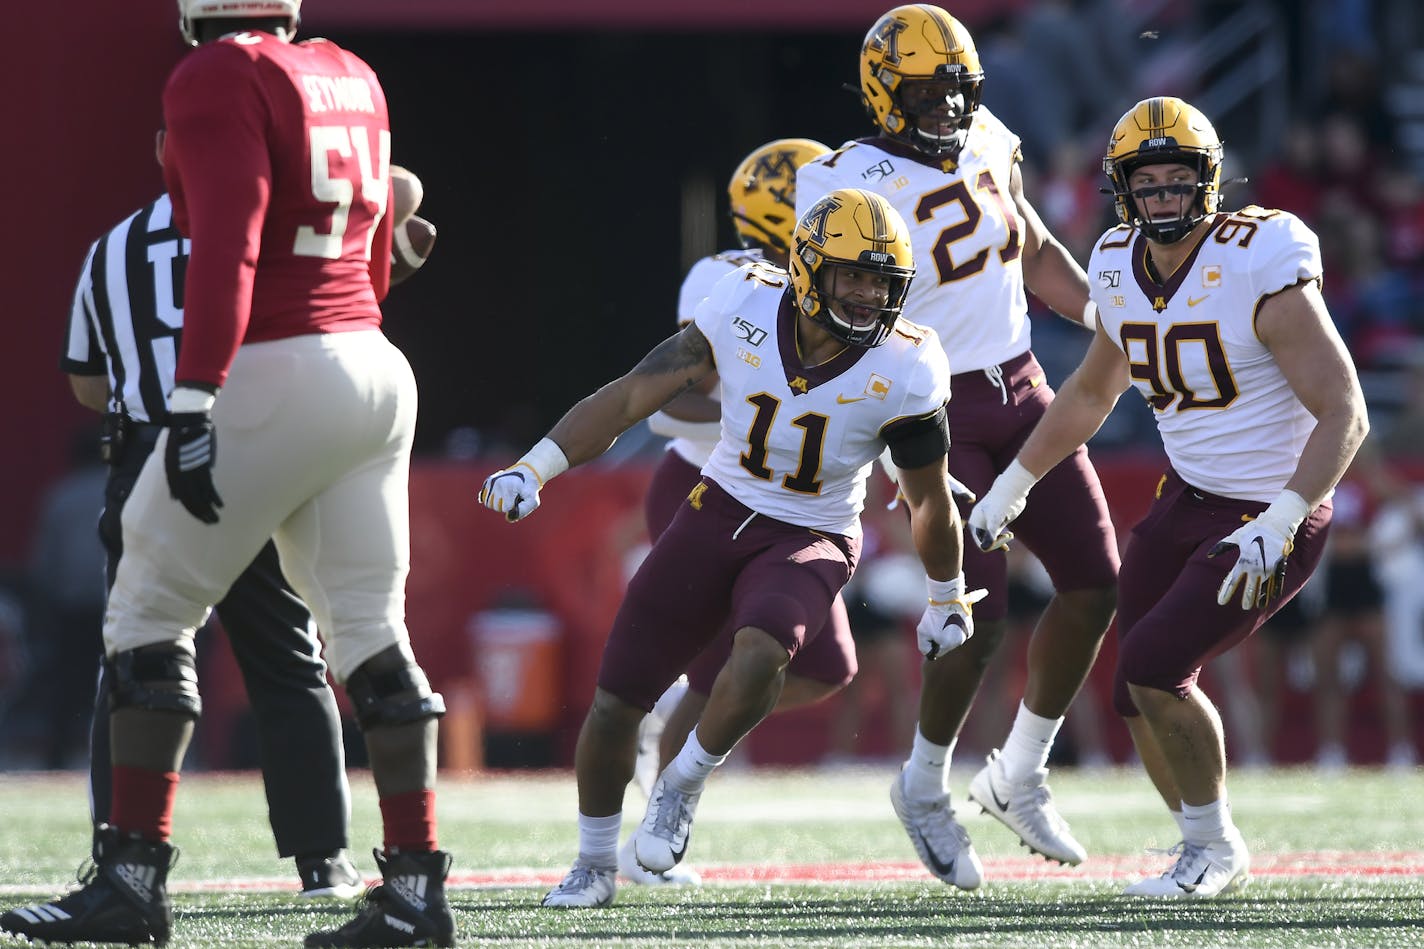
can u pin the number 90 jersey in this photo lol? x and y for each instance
(965, 229)
(799, 442)
(1229, 421)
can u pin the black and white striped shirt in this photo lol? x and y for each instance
(128, 312)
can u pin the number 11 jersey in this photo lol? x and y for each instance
(798, 442)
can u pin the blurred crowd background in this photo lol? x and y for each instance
(575, 162)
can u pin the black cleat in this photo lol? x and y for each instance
(329, 875)
(407, 909)
(123, 897)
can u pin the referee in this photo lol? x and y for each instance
(123, 338)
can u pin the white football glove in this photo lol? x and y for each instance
(1263, 545)
(1004, 501)
(514, 491)
(949, 619)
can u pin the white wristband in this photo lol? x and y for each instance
(190, 399)
(1016, 478)
(546, 459)
(1090, 316)
(945, 591)
(1288, 509)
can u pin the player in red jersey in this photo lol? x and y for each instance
(277, 161)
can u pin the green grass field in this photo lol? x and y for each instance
(797, 859)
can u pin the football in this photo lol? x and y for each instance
(410, 246)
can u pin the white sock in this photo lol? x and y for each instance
(1207, 823)
(927, 770)
(598, 839)
(1026, 749)
(689, 771)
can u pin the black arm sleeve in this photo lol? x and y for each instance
(916, 442)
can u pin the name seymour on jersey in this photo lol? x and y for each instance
(338, 94)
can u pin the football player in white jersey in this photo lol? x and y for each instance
(819, 374)
(1217, 319)
(951, 168)
(762, 193)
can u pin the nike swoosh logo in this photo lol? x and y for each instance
(993, 792)
(1261, 546)
(940, 868)
(1192, 302)
(844, 401)
(1192, 887)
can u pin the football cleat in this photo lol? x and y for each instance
(680, 875)
(333, 875)
(660, 841)
(1201, 872)
(941, 842)
(123, 897)
(407, 909)
(1026, 808)
(585, 887)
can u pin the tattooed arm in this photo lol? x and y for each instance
(674, 366)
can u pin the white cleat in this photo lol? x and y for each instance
(1026, 808)
(584, 887)
(1200, 873)
(942, 844)
(680, 875)
(660, 841)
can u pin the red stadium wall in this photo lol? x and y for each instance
(569, 561)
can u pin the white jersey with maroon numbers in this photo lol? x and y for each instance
(1229, 421)
(966, 233)
(798, 442)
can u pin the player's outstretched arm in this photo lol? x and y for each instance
(1083, 403)
(589, 428)
(938, 534)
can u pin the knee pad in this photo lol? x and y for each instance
(390, 689)
(162, 677)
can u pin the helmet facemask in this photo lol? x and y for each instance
(916, 98)
(1193, 211)
(848, 305)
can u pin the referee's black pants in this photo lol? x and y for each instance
(272, 637)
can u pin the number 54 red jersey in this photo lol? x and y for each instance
(277, 157)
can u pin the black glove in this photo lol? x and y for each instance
(192, 448)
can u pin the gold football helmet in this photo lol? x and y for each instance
(918, 43)
(763, 192)
(190, 10)
(859, 230)
(1157, 131)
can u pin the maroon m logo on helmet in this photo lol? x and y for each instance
(886, 38)
(816, 218)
